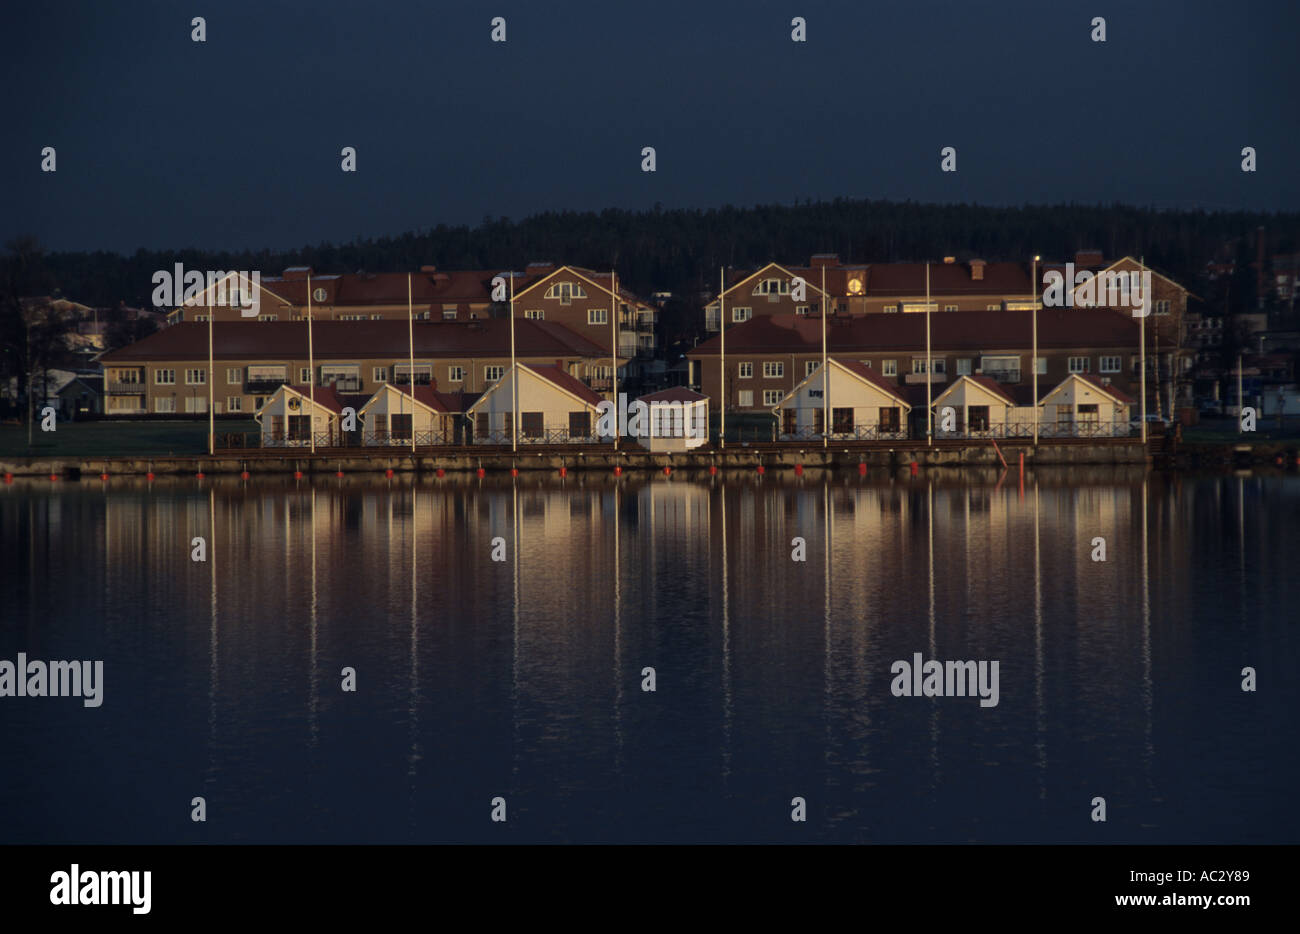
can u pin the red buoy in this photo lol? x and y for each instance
(618, 471)
(338, 473)
(297, 474)
(199, 475)
(54, 476)
(149, 475)
(514, 471)
(713, 470)
(862, 470)
(798, 470)
(103, 476)
(761, 470)
(243, 475)
(914, 468)
(9, 478)
(441, 472)
(389, 473)
(481, 471)
(667, 471)
(564, 471)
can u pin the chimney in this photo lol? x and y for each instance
(1085, 259)
(428, 270)
(824, 259)
(297, 272)
(540, 267)
(977, 270)
(949, 260)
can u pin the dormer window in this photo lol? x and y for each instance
(566, 292)
(772, 287)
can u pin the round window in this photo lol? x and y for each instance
(319, 295)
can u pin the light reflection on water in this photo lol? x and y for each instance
(522, 677)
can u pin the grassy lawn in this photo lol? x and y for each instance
(107, 438)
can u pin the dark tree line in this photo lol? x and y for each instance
(681, 250)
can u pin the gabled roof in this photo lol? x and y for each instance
(674, 394)
(324, 396)
(1114, 392)
(948, 279)
(991, 386)
(857, 371)
(442, 403)
(554, 375)
(597, 280)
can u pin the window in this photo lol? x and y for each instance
(318, 294)
(890, 308)
(889, 420)
(234, 403)
(449, 314)
(164, 377)
(304, 375)
(963, 367)
(741, 313)
(842, 421)
(299, 426)
(1162, 307)
(203, 317)
(234, 376)
(801, 309)
(809, 366)
(745, 398)
(379, 374)
(1040, 366)
(566, 292)
(940, 365)
(423, 374)
(772, 396)
(198, 377)
(531, 424)
(579, 424)
(918, 364)
(949, 307)
(352, 317)
(1079, 364)
(598, 316)
(376, 317)
(399, 425)
(745, 370)
(977, 417)
(889, 368)
(1088, 412)
(992, 307)
(196, 404)
(773, 370)
(455, 374)
(268, 317)
(539, 314)
(167, 404)
(772, 287)
(493, 373)
(1110, 364)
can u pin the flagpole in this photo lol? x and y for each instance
(613, 314)
(929, 365)
(311, 372)
(826, 376)
(722, 356)
(212, 418)
(410, 337)
(1142, 365)
(514, 376)
(1033, 362)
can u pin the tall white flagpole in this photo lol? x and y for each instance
(1142, 365)
(212, 418)
(1033, 361)
(613, 314)
(826, 376)
(722, 356)
(514, 375)
(311, 372)
(410, 338)
(929, 366)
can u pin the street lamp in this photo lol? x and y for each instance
(1033, 362)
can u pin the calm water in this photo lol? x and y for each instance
(522, 678)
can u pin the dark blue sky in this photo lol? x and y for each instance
(164, 143)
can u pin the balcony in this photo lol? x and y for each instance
(130, 389)
(920, 378)
(263, 387)
(345, 384)
(1003, 376)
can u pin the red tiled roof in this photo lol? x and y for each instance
(356, 340)
(559, 377)
(994, 387)
(450, 286)
(324, 396)
(674, 394)
(978, 331)
(948, 279)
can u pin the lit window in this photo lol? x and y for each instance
(889, 368)
(493, 373)
(539, 314)
(379, 374)
(456, 374)
(164, 377)
(772, 396)
(1079, 364)
(773, 370)
(741, 313)
(598, 316)
(745, 370)
(196, 377)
